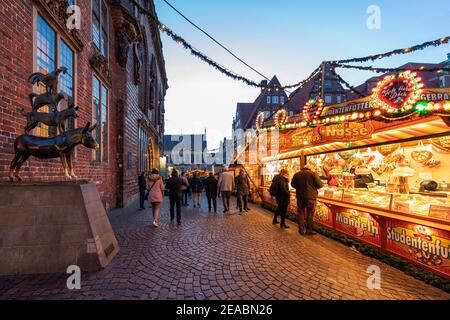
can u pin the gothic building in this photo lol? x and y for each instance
(116, 76)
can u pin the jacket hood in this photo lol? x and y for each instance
(154, 177)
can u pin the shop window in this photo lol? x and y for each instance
(53, 51)
(100, 26)
(100, 117)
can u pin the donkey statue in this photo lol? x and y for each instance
(48, 148)
(52, 119)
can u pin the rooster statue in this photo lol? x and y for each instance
(50, 80)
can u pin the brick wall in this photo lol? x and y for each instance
(116, 184)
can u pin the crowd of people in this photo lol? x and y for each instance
(179, 187)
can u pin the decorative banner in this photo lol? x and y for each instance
(358, 224)
(396, 94)
(423, 245)
(280, 118)
(323, 215)
(347, 131)
(259, 120)
(294, 140)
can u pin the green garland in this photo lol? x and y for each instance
(391, 260)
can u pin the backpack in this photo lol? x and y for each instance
(273, 190)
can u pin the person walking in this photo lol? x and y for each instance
(225, 187)
(142, 182)
(197, 188)
(210, 184)
(306, 183)
(280, 189)
(155, 194)
(185, 189)
(242, 191)
(174, 185)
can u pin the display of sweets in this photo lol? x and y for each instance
(348, 181)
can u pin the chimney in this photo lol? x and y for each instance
(264, 83)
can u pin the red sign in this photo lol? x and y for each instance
(423, 245)
(358, 224)
(396, 93)
(347, 131)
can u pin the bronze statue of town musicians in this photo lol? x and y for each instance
(64, 142)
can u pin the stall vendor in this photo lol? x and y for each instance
(363, 176)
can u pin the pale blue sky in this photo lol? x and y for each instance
(288, 38)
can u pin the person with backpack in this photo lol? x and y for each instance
(155, 194)
(280, 190)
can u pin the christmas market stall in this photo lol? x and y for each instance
(385, 163)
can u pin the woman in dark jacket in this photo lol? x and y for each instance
(210, 184)
(197, 188)
(242, 189)
(283, 197)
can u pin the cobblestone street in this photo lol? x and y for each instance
(216, 256)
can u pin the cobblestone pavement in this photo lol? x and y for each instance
(217, 256)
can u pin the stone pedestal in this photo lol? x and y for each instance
(46, 227)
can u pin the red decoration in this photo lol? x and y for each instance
(280, 118)
(397, 93)
(307, 116)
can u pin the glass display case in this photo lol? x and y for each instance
(272, 168)
(417, 204)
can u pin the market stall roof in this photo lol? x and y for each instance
(409, 130)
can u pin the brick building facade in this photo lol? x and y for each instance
(116, 76)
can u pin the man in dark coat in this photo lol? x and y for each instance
(210, 184)
(306, 183)
(282, 196)
(142, 181)
(175, 186)
(242, 184)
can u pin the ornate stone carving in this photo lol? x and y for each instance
(137, 59)
(127, 30)
(57, 9)
(100, 64)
